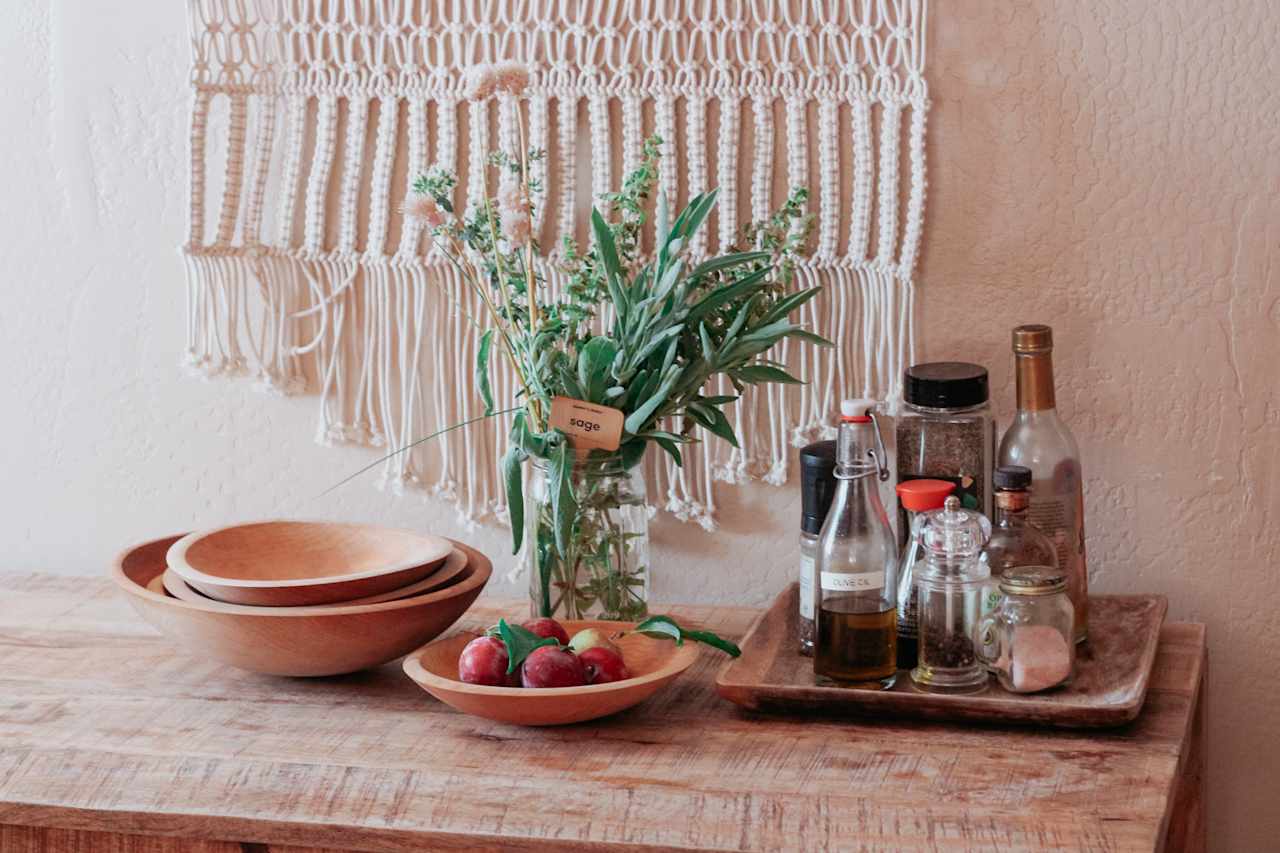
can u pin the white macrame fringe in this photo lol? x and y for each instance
(310, 280)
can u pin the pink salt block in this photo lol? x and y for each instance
(1041, 658)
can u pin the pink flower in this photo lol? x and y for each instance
(485, 80)
(514, 214)
(423, 209)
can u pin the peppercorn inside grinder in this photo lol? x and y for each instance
(951, 587)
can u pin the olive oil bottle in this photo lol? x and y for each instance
(857, 564)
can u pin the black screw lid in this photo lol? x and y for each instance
(1012, 478)
(817, 484)
(946, 385)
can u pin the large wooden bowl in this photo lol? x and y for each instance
(303, 563)
(653, 664)
(305, 641)
(451, 571)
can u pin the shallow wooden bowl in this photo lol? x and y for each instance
(653, 663)
(303, 563)
(304, 641)
(452, 570)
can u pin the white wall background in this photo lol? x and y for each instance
(1110, 168)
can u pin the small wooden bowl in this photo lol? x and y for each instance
(450, 571)
(303, 641)
(653, 663)
(303, 563)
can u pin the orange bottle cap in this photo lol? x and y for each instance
(922, 495)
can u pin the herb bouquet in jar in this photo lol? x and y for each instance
(672, 324)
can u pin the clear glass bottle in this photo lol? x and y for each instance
(952, 586)
(1028, 640)
(1015, 541)
(1039, 439)
(817, 488)
(946, 432)
(857, 563)
(916, 497)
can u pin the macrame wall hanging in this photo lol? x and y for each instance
(310, 118)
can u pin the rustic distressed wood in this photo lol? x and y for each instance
(104, 727)
(1112, 673)
(652, 663)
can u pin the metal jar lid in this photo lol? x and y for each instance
(1033, 580)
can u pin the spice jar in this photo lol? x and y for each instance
(946, 432)
(950, 588)
(1028, 641)
(817, 487)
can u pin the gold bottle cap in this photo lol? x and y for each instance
(1033, 580)
(1033, 339)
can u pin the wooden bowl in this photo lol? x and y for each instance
(653, 663)
(304, 641)
(452, 570)
(303, 563)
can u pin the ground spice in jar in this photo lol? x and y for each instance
(946, 432)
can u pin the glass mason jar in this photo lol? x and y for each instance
(1029, 639)
(605, 572)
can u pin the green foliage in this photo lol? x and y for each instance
(675, 323)
(665, 626)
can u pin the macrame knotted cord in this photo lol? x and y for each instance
(301, 271)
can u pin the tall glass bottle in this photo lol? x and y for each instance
(817, 488)
(1039, 440)
(857, 563)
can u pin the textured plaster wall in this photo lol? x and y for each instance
(1108, 167)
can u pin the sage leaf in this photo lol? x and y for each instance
(765, 373)
(482, 370)
(665, 626)
(513, 478)
(520, 643)
(562, 503)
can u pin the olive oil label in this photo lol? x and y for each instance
(852, 582)
(806, 586)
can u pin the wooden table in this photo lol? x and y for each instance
(110, 739)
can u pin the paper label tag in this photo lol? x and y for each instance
(588, 426)
(861, 582)
(806, 586)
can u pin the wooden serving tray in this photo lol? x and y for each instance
(1110, 684)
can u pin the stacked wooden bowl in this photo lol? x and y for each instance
(302, 598)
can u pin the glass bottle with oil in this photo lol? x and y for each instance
(857, 563)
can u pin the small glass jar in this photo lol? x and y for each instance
(604, 572)
(951, 587)
(946, 431)
(917, 497)
(1028, 640)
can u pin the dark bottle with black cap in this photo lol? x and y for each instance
(946, 432)
(817, 486)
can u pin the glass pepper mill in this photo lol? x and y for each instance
(916, 497)
(856, 592)
(951, 586)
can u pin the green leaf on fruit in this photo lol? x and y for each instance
(520, 643)
(666, 627)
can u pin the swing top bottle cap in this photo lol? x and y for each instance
(1034, 338)
(857, 410)
(946, 385)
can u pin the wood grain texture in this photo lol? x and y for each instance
(297, 641)
(103, 727)
(1108, 689)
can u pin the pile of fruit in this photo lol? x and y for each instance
(550, 657)
(540, 653)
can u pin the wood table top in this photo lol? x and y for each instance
(105, 727)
